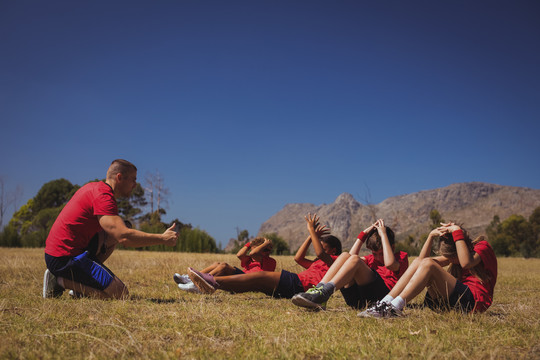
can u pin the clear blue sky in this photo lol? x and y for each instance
(245, 106)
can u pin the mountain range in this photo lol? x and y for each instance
(473, 205)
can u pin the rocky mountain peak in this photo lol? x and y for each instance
(474, 204)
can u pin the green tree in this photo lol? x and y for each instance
(33, 221)
(436, 219)
(195, 240)
(54, 194)
(408, 245)
(242, 238)
(534, 220)
(9, 237)
(279, 245)
(512, 237)
(130, 208)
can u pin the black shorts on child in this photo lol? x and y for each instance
(461, 299)
(360, 296)
(288, 286)
(238, 271)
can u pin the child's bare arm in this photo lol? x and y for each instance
(426, 249)
(355, 250)
(316, 231)
(242, 253)
(467, 259)
(258, 249)
(390, 261)
(300, 256)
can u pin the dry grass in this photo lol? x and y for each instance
(161, 322)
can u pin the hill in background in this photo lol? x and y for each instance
(472, 204)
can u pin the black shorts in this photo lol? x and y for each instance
(360, 296)
(238, 271)
(288, 286)
(461, 299)
(81, 269)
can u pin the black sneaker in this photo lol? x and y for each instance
(314, 298)
(51, 289)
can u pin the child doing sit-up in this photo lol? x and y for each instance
(281, 284)
(467, 286)
(362, 280)
(254, 256)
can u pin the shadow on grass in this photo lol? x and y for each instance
(190, 299)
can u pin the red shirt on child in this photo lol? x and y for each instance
(389, 277)
(250, 265)
(314, 273)
(482, 291)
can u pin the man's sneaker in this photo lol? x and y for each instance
(50, 286)
(205, 282)
(191, 287)
(75, 294)
(381, 310)
(181, 279)
(314, 298)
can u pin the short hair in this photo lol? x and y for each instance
(120, 166)
(374, 243)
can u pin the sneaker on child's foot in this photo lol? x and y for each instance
(205, 282)
(381, 310)
(314, 298)
(191, 287)
(50, 286)
(181, 279)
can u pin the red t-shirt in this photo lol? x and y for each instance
(250, 265)
(314, 273)
(78, 220)
(482, 292)
(389, 277)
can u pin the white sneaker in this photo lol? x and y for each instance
(381, 310)
(181, 279)
(191, 287)
(75, 294)
(50, 286)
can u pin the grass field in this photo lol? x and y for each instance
(161, 322)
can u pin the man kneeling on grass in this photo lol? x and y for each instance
(86, 233)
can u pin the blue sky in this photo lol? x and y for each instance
(245, 106)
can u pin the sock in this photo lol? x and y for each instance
(398, 303)
(387, 299)
(329, 288)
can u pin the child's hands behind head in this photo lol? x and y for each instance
(449, 227)
(267, 246)
(379, 225)
(322, 230)
(440, 231)
(312, 221)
